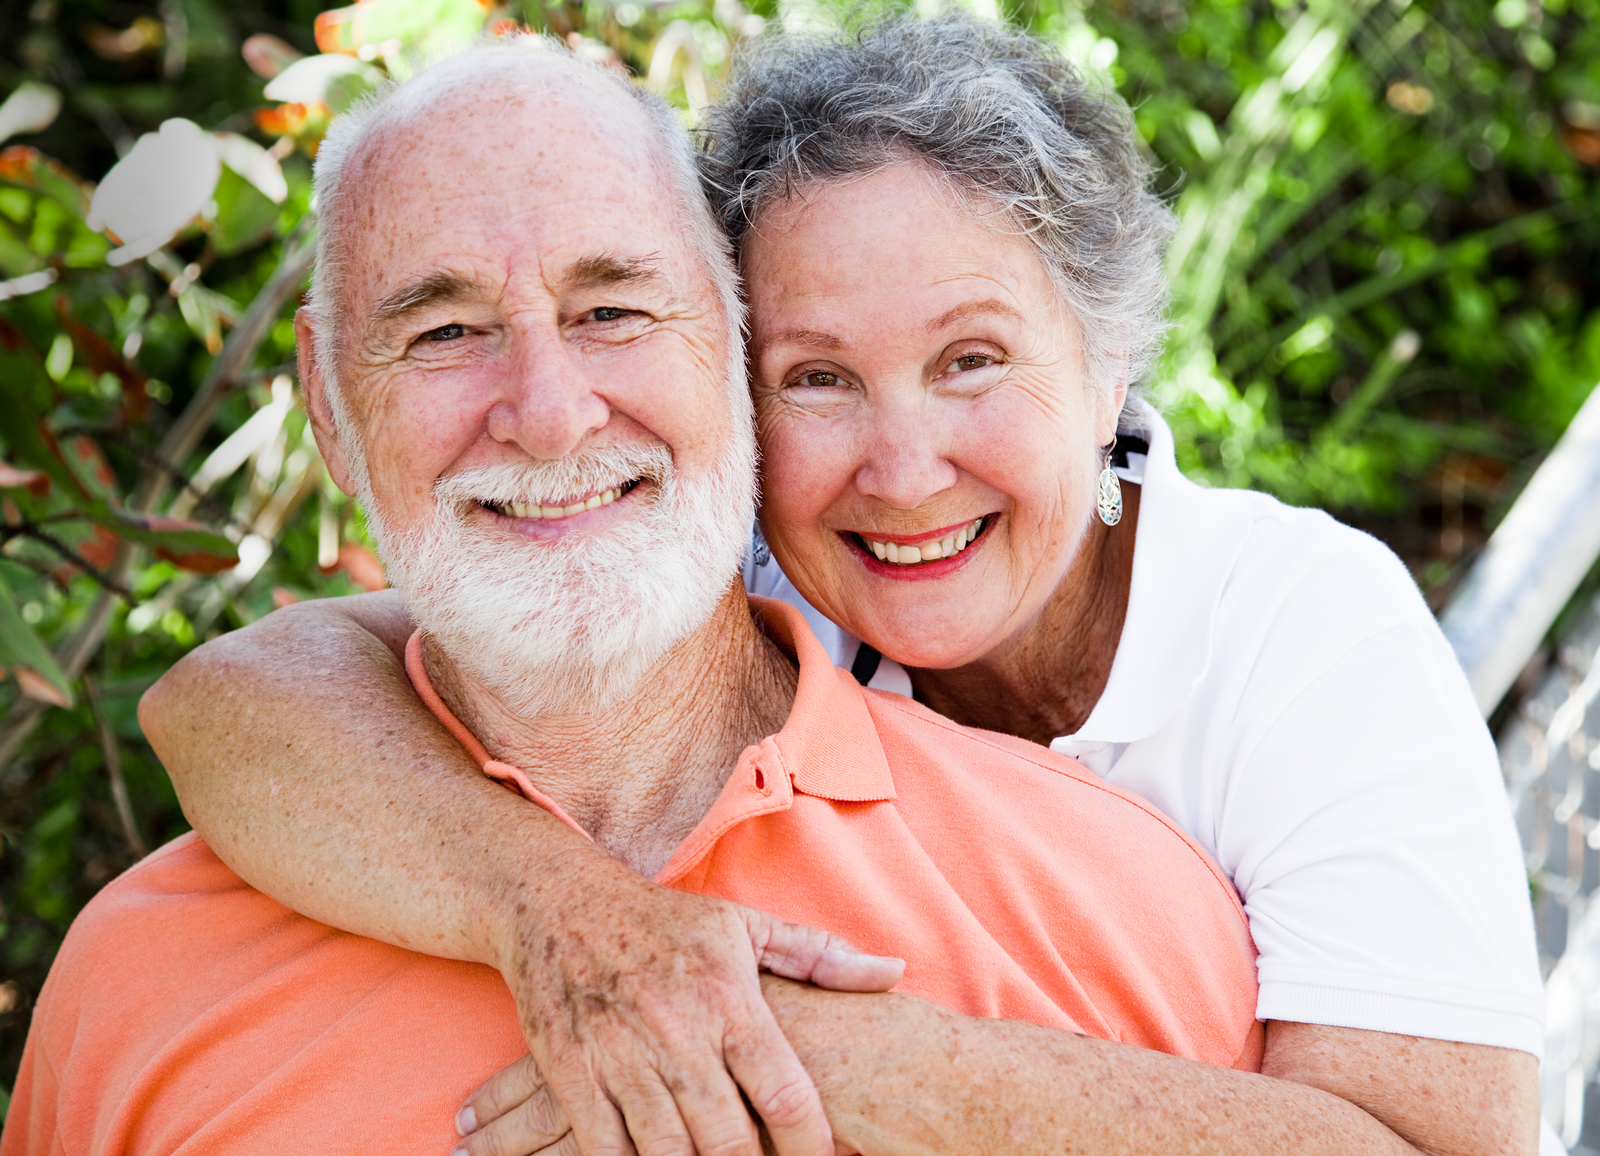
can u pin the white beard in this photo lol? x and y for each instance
(574, 623)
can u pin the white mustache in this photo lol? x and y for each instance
(551, 483)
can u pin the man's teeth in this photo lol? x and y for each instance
(530, 510)
(947, 547)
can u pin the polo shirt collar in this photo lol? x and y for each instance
(1186, 546)
(830, 745)
(828, 748)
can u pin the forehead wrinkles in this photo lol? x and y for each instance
(524, 150)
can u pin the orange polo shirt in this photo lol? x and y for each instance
(189, 1013)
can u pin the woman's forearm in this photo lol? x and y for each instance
(902, 1077)
(302, 756)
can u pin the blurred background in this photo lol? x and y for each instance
(1388, 305)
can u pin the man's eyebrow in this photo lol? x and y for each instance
(972, 309)
(439, 288)
(608, 269)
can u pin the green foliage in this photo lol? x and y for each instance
(1385, 290)
(1386, 305)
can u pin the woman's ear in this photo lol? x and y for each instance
(1112, 401)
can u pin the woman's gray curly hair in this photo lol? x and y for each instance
(1002, 115)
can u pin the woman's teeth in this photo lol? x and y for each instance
(530, 510)
(947, 547)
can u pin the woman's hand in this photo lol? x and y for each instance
(647, 1018)
(614, 1044)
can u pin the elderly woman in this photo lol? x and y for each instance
(954, 272)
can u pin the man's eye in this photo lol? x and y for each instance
(969, 361)
(609, 313)
(451, 332)
(819, 380)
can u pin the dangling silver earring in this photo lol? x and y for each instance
(760, 552)
(1109, 500)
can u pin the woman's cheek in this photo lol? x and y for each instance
(803, 467)
(805, 472)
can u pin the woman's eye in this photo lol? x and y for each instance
(969, 361)
(451, 332)
(609, 313)
(819, 380)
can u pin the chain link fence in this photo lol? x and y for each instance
(1550, 753)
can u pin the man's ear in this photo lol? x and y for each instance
(319, 406)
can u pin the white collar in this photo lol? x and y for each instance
(1186, 547)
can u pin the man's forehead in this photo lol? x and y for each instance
(546, 178)
(500, 135)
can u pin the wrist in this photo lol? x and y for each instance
(538, 878)
(872, 1057)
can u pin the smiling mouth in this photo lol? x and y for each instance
(560, 507)
(904, 554)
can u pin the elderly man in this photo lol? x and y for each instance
(532, 380)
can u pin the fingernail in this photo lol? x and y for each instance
(466, 1124)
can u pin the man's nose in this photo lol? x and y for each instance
(907, 452)
(548, 403)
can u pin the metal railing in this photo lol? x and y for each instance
(1550, 753)
(1550, 748)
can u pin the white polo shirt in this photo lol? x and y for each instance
(1282, 691)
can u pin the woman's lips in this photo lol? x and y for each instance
(929, 555)
(928, 548)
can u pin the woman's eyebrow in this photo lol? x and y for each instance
(971, 309)
(815, 337)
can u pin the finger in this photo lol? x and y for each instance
(780, 1091)
(688, 1117)
(510, 1087)
(812, 955)
(597, 1125)
(566, 1146)
(534, 1125)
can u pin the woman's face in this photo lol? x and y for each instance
(917, 380)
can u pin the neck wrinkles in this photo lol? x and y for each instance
(1045, 682)
(639, 773)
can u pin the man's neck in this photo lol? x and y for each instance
(639, 774)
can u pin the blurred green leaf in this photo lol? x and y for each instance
(26, 658)
(185, 544)
(245, 216)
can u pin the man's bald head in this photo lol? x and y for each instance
(380, 133)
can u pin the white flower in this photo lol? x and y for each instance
(254, 163)
(330, 79)
(29, 109)
(157, 189)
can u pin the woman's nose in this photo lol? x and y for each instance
(547, 404)
(907, 459)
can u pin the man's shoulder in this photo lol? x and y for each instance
(138, 907)
(1146, 922)
(185, 1002)
(1032, 790)
(150, 934)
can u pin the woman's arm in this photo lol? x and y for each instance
(904, 1077)
(302, 756)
